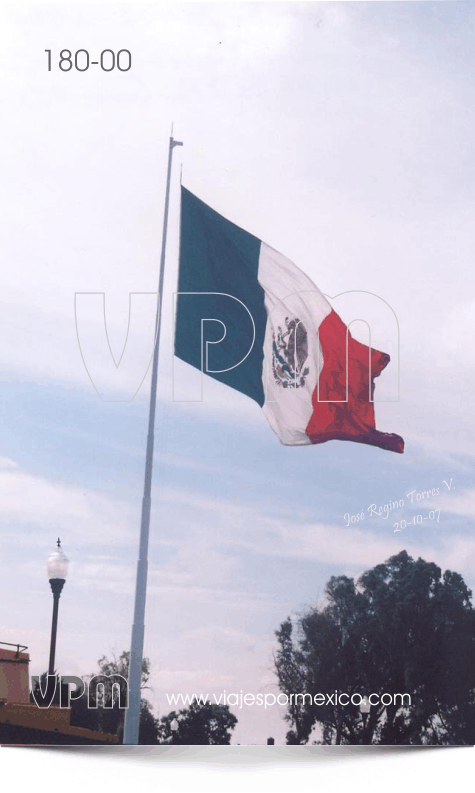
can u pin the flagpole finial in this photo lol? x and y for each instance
(174, 142)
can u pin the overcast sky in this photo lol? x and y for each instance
(342, 135)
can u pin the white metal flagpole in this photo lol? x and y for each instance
(132, 714)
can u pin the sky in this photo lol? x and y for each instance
(342, 135)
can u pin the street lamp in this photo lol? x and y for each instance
(174, 726)
(57, 568)
(365, 708)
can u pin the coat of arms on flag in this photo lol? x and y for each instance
(290, 353)
(313, 381)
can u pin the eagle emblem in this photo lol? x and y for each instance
(289, 354)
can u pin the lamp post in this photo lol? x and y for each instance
(365, 708)
(174, 726)
(57, 568)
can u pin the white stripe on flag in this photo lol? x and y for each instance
(288, 388)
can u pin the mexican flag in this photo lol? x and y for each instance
(275, 336)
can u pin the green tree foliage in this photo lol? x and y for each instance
(402, 628)
(201, 724)
(106, 715)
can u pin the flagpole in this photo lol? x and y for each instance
(132, 714)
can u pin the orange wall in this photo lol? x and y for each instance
(14, 677)
(53, 719)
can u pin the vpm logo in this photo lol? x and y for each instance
(103, 690)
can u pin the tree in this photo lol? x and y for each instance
(105, 715)
(200, 724)
(403, 628)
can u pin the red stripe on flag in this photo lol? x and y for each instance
(352, 420)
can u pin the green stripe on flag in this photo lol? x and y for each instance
(218, 256)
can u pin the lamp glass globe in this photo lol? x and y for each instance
(57, 565)
(365, 706)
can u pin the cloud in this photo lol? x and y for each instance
(205, 556)
(231, 525)
(37, 504)
(462, 504)
(7, 464)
